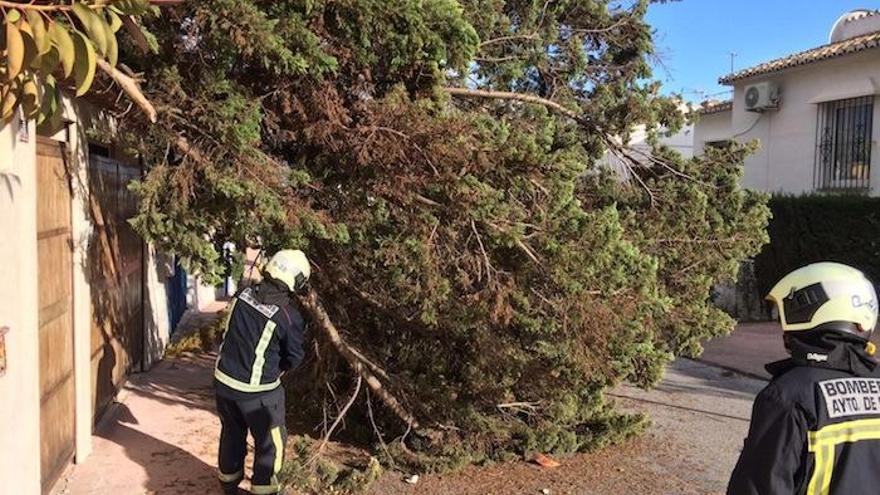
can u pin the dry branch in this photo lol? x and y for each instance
(342, 413)
(482, 250)
(507, 95)
(131, 88)
(322, 320)
(136, 34)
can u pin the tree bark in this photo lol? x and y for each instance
(507, 95)
(130, 87)
(322, 320)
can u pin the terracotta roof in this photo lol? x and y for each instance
(824, 52)
(709, 107)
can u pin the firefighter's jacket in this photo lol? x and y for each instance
(262, 339)
(815, 428)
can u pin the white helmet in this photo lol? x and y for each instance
(830, 295)
(290, 267)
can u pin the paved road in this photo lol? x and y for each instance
(747, 349)
(699, 416)
(706, 411)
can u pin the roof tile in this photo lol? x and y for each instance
(824, 52)
(710, 107)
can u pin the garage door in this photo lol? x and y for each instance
(116, 278)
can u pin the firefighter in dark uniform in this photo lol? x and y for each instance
(815, 428)
(263, 339)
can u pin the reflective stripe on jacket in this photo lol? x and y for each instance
(814, 431)
(259, 343)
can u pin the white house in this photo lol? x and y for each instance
(814, 114)
(83, 300)
(681, 141)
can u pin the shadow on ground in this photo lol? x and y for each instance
(169, 469)
(184, 381)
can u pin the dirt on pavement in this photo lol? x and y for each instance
(162, 440)
(616, 470)
(699, 414)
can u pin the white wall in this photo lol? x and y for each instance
(19, 388)
(157, 325)
(81, 232)
(787, 136)
(712, 127)
(198, 294)
(682, 141)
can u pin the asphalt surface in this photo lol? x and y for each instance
(706, 411)
(747, 349)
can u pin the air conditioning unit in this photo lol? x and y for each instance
(762, 96)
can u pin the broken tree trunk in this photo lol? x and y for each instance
(353, 357)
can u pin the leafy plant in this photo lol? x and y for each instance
(820, 227)
(48, 46)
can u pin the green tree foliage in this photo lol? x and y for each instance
(438, 160)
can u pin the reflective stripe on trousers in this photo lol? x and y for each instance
(275, 486)
(231, 478)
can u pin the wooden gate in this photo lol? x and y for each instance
(116, 279)
(55, 282)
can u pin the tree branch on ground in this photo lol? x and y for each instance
(322, 320)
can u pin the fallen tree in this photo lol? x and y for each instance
(358, 363)
(479, 268)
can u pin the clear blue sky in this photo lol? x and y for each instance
(694, 38)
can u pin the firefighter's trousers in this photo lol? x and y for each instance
(263, 416)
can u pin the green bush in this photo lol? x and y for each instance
(807, 229)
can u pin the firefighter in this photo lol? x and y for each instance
(262, 340)
(815, 428)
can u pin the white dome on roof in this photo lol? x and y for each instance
(855, 23)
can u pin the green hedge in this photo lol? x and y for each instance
(807, 229)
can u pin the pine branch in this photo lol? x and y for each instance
(501, 39)
(508, 95)
(322, 320)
